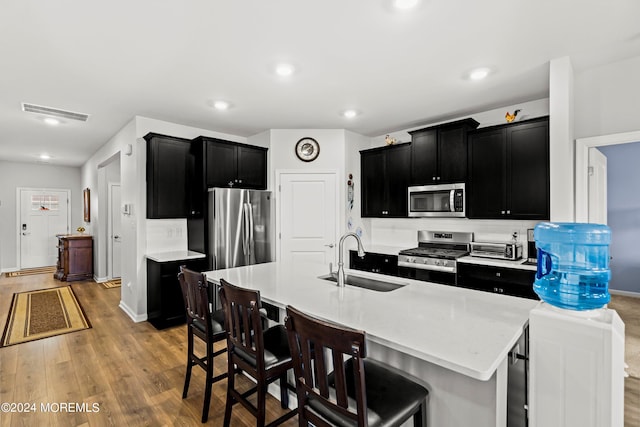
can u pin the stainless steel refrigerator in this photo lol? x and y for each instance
(241, 230)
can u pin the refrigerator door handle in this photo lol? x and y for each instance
(250, 239)
(245, 229)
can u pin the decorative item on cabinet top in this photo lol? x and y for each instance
(511, 117)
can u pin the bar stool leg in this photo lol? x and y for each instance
(187, 377)
(262, 395)
(284, 392)
(230, 399)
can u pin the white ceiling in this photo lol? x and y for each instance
(170, 59)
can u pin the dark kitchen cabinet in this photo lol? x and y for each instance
(501, 280)
(169, 193)
(230, 164)
(165, 304)
(374, 263)
(509, 171)
(439, 153)
(385, 179)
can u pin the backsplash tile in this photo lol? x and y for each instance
(164, 235)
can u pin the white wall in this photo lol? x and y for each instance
(607, 99)
(561, 140)
(353, 144)
(331, 157)
(13, 175)
(133, 191)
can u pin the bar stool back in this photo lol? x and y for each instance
(358, 392)
(262, 354)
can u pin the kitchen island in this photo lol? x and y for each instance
(455, 341)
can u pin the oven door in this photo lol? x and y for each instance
(446, 200)
(435, 276)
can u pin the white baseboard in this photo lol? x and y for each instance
(135, 317)
(624, 293)
(100, 279)
(9, 270)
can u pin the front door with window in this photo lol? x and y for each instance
(43, 215)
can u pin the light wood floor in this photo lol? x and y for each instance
(133, 371)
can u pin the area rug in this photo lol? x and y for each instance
(29, 271)
(42, 314)
(115, 283)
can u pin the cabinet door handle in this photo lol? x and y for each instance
(240, 181)
(438, 178)
(434, 178)
(502, 212)
(230, 184)
(498, 274)
(508, 212)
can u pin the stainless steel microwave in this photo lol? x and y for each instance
(442, 200)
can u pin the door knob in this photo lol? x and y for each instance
(25, 233)
(330, 245)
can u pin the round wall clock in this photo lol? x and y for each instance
(307, 149)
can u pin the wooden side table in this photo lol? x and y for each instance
(75, 257)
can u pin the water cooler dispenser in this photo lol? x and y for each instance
(576, 343)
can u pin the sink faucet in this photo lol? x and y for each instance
(341, 256)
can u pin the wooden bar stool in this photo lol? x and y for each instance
(359, 392)
(262, 354)
(205, 324)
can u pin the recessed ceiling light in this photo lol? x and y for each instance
(479, 73)
(221, 105)
(45, 156)
(405, 4)
(284, 70)
(51, 121)
(350, 114)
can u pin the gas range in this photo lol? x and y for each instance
(436, 251)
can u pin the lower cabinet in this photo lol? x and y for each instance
(501, 280)
(165, 305)
(374, 263)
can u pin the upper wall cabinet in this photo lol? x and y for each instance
(509, 171)
(385, 179)
(439, 153)
(234, 165)
(168, 191)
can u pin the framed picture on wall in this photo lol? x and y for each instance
(86, 193)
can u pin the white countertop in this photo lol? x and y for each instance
(466, 331)
(174, 256)
(497, 262)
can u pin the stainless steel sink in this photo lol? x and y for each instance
(364, 282)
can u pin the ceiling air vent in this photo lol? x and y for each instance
(48, 111)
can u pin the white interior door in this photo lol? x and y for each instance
(44, 214)
(597, 186)
(115, 231)
(308, 211)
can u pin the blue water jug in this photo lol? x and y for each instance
(573, 265)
